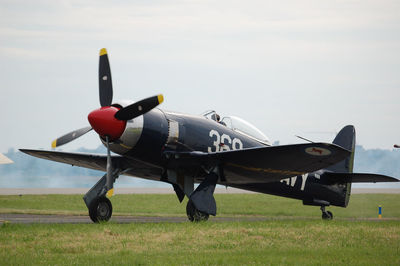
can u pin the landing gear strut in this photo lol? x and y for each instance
(100, 210)
(326, 215)
(194, 214)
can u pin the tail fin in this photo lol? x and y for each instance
(340, 176)
(346, 138)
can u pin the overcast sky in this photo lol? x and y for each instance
(289, 67)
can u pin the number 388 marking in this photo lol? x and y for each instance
(224, 142)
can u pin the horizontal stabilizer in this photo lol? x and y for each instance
(359, 178)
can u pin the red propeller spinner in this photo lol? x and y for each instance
(103, 121)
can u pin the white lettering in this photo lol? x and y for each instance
(224, 145)
(216, 142)
(224, 142)
(237, 144)
(304, 179)
(293, 181)
(286, 181)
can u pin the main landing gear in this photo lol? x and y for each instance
(99, 206)
(100, 210)
(194, 214)
(326, 215)
(201, 202)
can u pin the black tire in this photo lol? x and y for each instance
(100, 210)
(194, 215)
(327, 215)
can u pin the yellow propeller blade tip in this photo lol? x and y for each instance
(110, 193)
(103, 51)
(160, 98)
(54, 144)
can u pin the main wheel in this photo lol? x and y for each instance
(194, 214)
(100, 210)
(327, 215)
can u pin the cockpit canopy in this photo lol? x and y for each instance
(239, 125)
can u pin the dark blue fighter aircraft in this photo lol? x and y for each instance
(182, 150)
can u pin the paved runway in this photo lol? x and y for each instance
(76, 219)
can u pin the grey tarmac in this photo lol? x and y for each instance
(78, 219)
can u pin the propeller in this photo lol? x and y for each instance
(136, 109)
(70, 137)
(105, 82)
(109, 121)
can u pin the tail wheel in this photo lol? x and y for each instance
(100, 210)
(194, 214)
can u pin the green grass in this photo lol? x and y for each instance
(284, 239)
(361, 205)
(270, 242)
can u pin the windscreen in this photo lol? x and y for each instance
(238, 124)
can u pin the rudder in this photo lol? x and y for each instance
(346, 138)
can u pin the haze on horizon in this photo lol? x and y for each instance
(290, 68)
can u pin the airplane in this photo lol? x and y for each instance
(4, 159)
(183, 149)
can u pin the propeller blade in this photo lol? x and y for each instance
(138, 108)
(105, 82)
(70, 137)
(109, 181)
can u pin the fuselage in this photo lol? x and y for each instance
(149, 137)
(146, 137)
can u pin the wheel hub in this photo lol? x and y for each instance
(102, 209)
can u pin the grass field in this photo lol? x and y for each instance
(361, 205)
(295, 235)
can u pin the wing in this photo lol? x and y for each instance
(266, 164)
(255, 165)
(99, 162)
